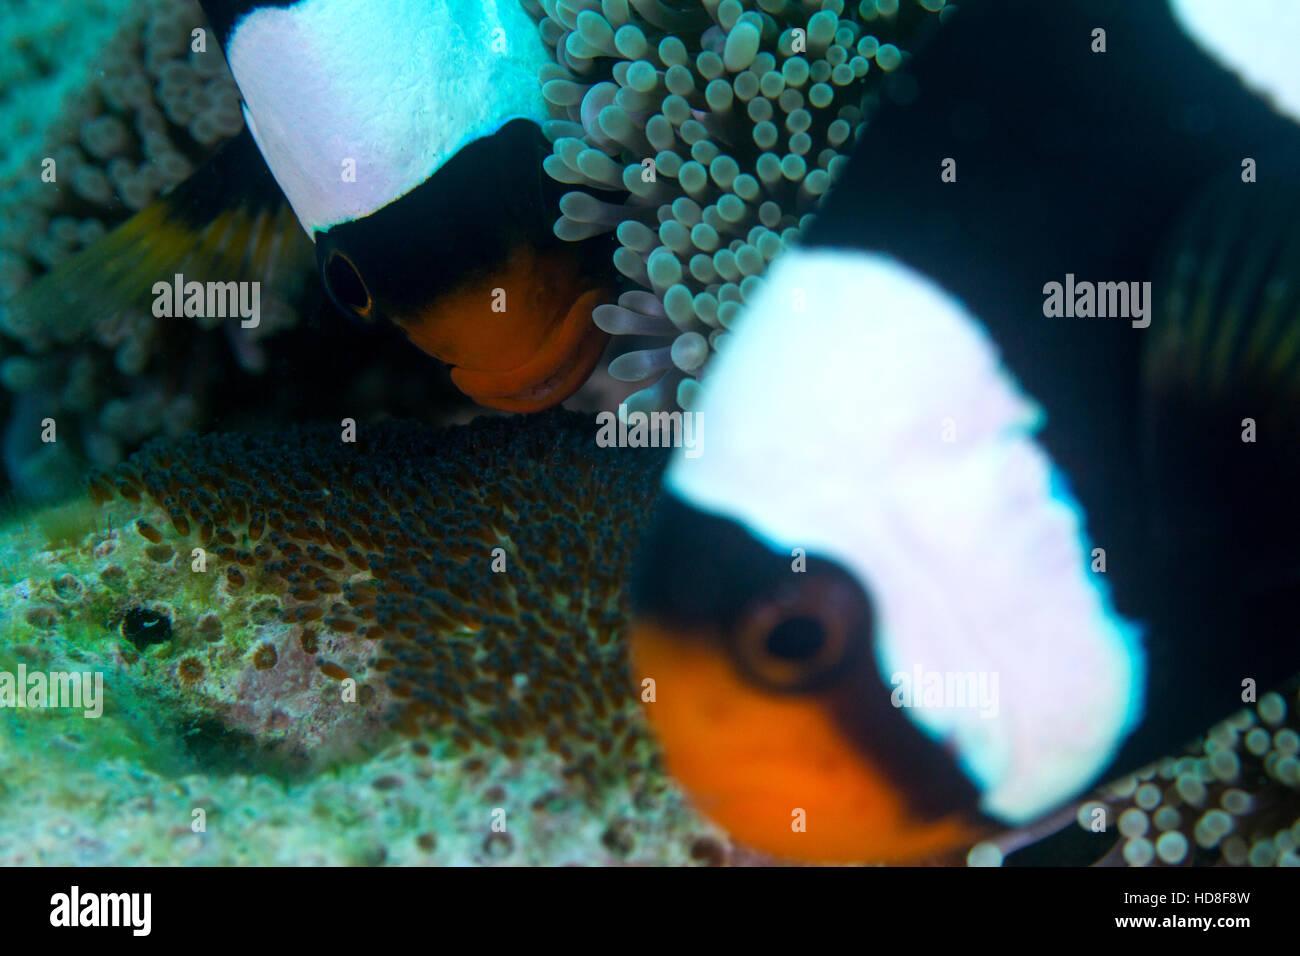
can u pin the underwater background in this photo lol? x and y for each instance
(336, 684)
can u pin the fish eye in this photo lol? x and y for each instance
(803, 638)
(796, 639)
(345, 284)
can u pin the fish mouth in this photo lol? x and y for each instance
(518, 336)
(563, 362)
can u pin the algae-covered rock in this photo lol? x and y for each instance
(405, 648)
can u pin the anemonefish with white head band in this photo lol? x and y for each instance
(438, 106)
(406, 137)
(997, 500)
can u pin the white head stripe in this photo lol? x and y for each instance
(396, 87)
(1256, 39)
(863, 414)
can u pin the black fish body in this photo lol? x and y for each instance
(990, 473)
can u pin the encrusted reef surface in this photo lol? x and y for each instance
(405, 648)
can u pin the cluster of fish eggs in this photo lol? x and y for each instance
(1232, 799)
(710, 133)
(477, 569)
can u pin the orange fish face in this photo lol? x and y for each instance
(778, 773)
(774, 717)
(467, 266)
(520, 339)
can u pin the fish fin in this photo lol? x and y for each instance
(229, 220)
(1230, 302)
(1222, 372)
(1220, 439)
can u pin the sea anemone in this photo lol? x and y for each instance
(153, 111)
(1231, 798)
(150, 112)
(710, 133)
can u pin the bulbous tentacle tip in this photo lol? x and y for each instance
(709, 136)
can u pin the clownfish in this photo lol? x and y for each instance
(998, 500)
(406, 137)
